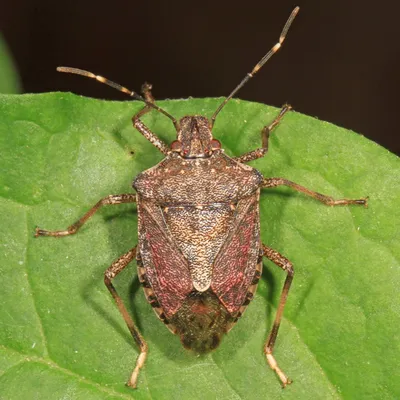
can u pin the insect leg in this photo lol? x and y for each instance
(329, 201)
(287, 266)
(147, 133)
(143, 129)
(111, 199)
(111, 272)
(262, 151)
(146, 92)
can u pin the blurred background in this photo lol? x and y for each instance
(340, 61)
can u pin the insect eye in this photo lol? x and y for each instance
(176, 145)
(215, 144)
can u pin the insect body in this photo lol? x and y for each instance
(199, 253)
(199, 236)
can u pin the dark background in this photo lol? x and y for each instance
(340, 61)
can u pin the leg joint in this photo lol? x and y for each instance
(135, 119)
(108, 276)
(107, 200)
(288, 267)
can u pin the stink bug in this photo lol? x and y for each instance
(199, 254)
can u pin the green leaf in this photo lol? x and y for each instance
(9, 80)
(61, 335)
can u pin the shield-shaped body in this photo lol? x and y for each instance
(199, 244)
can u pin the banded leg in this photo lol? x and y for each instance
(262, 151)
(287, 266)
(111, 199)
(111, 272)
(329, 201)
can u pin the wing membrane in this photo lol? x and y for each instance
(166, 268)
(235, 265)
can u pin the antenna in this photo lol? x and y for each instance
(259, 64)
(123, 89)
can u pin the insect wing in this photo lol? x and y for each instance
(236, 262)
(166, 268)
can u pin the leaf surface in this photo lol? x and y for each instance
(61, 335)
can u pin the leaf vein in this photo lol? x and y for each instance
(51, 364)
(40, 323)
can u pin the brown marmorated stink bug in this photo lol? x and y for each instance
(199, 254)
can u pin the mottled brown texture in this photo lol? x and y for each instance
(198, 236)
(195, 136)
(196, 204)
(150, 136)
(167, 270)
(204, 231)
(201, 181)
(235, 265)
(202, 321)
